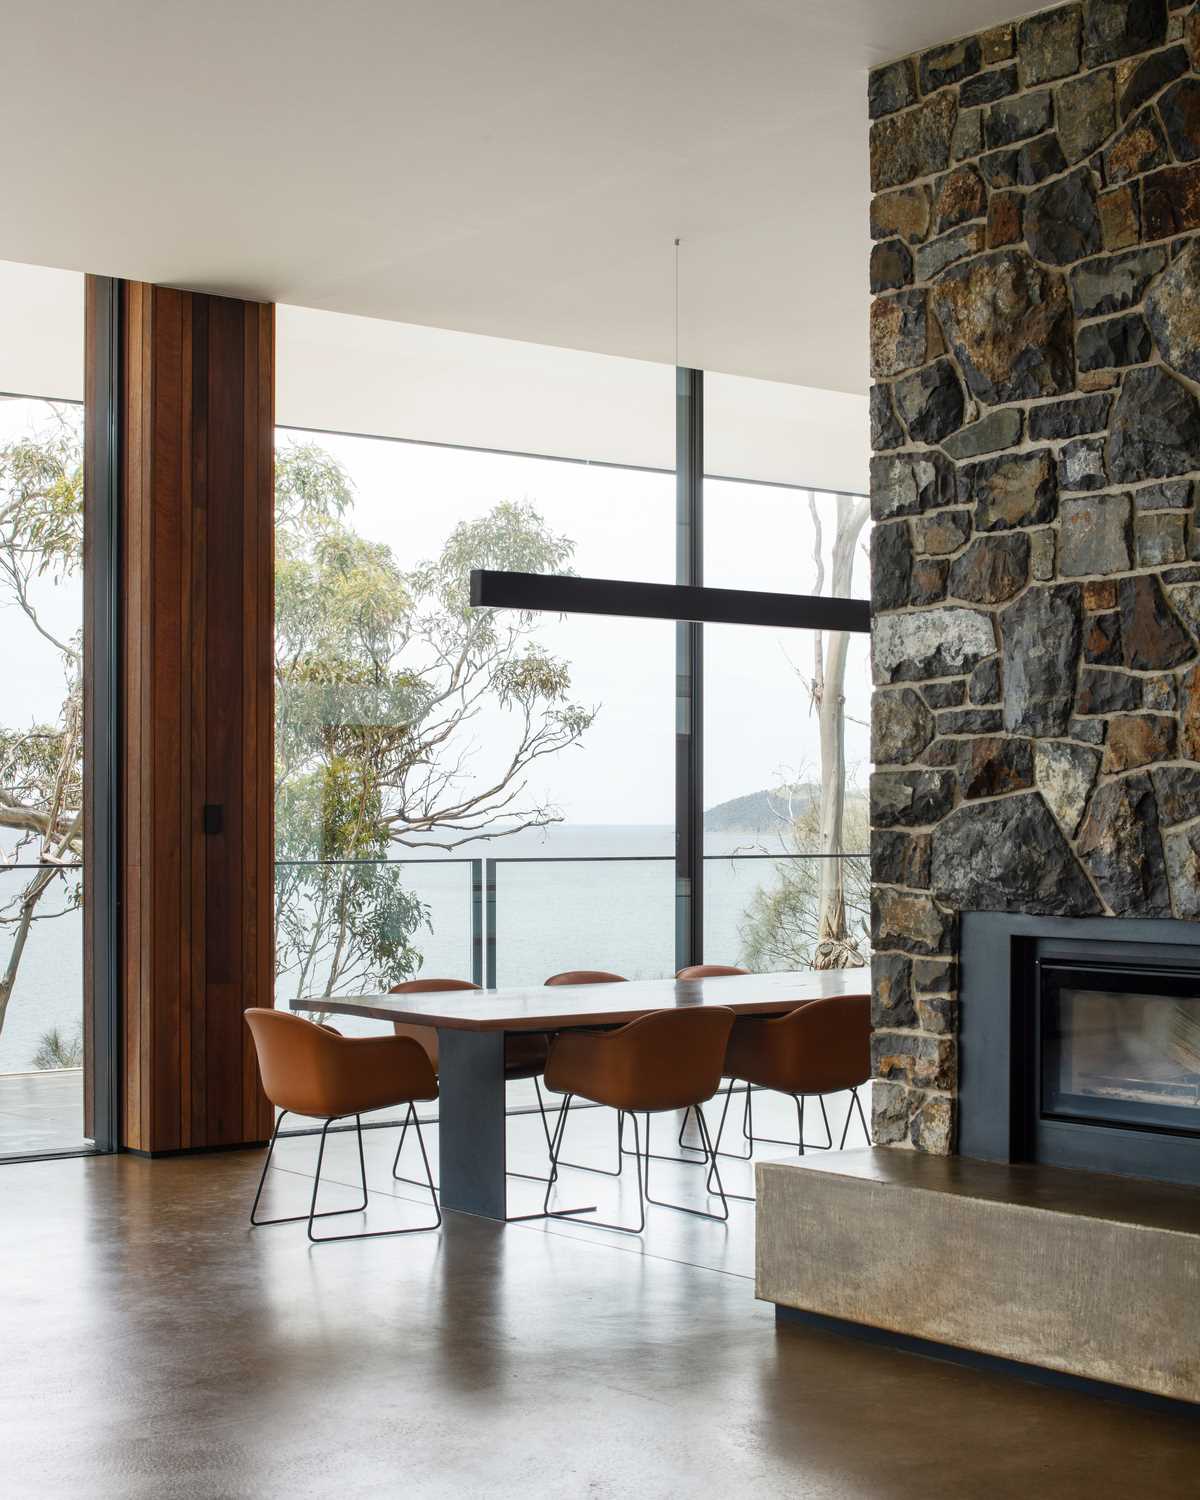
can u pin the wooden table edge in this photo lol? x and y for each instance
(547, 1020)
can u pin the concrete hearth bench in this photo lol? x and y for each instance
(1094, 1276)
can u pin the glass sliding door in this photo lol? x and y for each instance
(42, 1042)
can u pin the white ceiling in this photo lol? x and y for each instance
(511, 167)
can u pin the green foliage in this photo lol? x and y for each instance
(381, 672)
(30, 758)
(41, 767)
(780, 926)
(512, 536)
(345, 926)
(311, 487)
(41, 499)
(57, 1049)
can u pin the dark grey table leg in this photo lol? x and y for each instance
(471, 1113)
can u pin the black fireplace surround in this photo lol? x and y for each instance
(1080, 1043)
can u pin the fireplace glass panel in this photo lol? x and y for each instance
(1122, 1049)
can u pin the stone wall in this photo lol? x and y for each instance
(1035, 342)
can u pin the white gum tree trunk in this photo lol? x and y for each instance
(834, 949)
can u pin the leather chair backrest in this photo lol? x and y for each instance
(431, 986)
(710, 971)
(835, 1041)
(308, 1069)
(586, 976)
(821, 1047)
(666, 1060)
(426, 1035)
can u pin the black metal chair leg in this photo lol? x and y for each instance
(555, 1163)
(433, 1192)
(525, 1176)
(372, 1234)
(775, 1140)
(331, 1213)
(262, 1180)
(560, 1126)
(741, 1197)
(683, 1145)
(686, 1161)
(541, 1104)
(399, 1148)
(698, 1213)
(534, 1176)
(579, 1166)
(735, 1155)
(714, 1169)
(413, 1119)
(855, 1103)
(800, 1144)
(815, 1145)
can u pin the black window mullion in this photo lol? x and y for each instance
(102, 624)
(689, 671)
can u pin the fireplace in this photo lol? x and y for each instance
(1081, 1044)
(1120, 1046)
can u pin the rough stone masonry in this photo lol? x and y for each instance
(1035, 346)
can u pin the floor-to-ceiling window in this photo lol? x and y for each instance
(786, 724)
(492, 796)
(42, 1050)
(468, 794)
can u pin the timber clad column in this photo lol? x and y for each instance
(196, 434)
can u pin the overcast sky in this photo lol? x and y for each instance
(759, 731)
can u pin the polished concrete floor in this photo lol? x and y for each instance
(154, 1346)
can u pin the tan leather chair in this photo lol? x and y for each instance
(525, 1055)
(586, 976)
(666, 1061)
(524, 1052)
(701, 971)
(822, 1047)
(311, 1069)
(592, 976)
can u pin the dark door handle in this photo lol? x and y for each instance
(214, 817)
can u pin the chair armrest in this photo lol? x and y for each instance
(382, 1069)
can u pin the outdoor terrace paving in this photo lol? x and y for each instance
(41, 1112)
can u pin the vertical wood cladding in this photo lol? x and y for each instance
(1035, 344)
(197, 427)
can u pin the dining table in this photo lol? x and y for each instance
(472, 1024)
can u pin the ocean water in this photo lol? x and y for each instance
(565, 899)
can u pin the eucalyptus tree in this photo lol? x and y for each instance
(41, 764)
(839, 942)
(406, 719)
(817, 912)
(785, 924)
(386, 683)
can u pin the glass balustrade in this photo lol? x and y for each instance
(509, 921)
